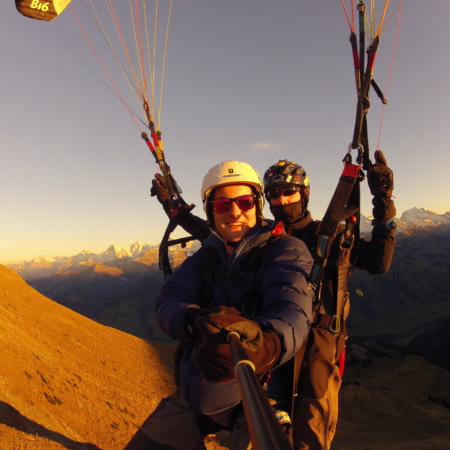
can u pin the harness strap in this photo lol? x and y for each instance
(174, 221)
(333, 216)
(323, 321)
(344, 205)
(164, 263)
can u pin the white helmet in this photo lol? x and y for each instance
(232, 172)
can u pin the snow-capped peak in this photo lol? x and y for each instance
(423, 218)
(117, 252)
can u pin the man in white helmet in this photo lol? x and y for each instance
(287, 189)
(199, 306)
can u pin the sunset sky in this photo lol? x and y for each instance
(254, 80)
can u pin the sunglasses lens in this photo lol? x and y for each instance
(222, 205)
(287, 192)
(245, 202)
(273, 194)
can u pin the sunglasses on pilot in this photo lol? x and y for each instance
(244, 203)
(285, 192)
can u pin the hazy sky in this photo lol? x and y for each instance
(254, 80)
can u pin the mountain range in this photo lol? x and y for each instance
(411, 221)
(118, 287)
(113, 256)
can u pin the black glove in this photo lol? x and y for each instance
(381, 184)
(159, 190)
(213, 357)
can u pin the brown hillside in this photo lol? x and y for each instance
(68, 382)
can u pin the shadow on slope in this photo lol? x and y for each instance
(12, 418)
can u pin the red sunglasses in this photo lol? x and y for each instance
(244, 203)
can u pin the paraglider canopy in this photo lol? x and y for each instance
(41, 10)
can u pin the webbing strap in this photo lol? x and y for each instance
(164, 263)
(325, 321)
(342, 293)
(333, 216)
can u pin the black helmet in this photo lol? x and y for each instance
(285, 173)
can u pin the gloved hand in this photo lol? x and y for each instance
(381, 183)
(194, 312)
(159, 190)
(213, 357)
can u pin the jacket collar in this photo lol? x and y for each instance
(261, 232)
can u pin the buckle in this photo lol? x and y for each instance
(335, 327)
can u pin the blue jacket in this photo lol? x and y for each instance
(285, 304)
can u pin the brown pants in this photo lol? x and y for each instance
(174, 425)
(316, 404)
